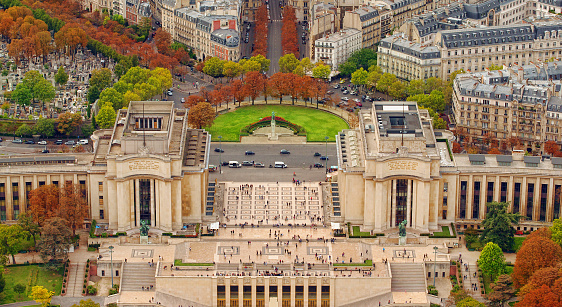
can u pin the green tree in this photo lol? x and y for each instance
(56, 238)
(502, 291)
(364, 58)
(288, 63)
(213, 67)
(231, 69)
(88, 130)
(264, 63)
(101, 78)
(347, 68)
(2, 280)
(44, 127)
(25, 221)
(24, 130)
(491, 260)
(397, 90)
(86, 303)
(385, 81)
(498, 225)
(470, 302)
(11, 238)
(68, 122)
(556, 230)
(106, 117)
(321, 71)
(22, 95)
(44, 91)
(433, 83)
(93, 94)
(306, 65)
(61, 77)
(130, 96)
(373, 78)
(438, 122)
(248, 66)
(495, 67)
(416, 87)
(113, 96)
(359, 77)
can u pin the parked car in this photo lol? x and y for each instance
(249, 153)
(285, 152)
(212, 168)
(337, 86)
(247, 163)
(353, 92)
(17, 141)
(219, 150)
(345, 99)
(29, 142)
(329, 92)
(324, 158)
(45, 151)
(83, 142)
(359, 104)
(345, 92)
(317, 154)
(259, 164)
(42, 142)
(1, 139)
(318, 165)
(224, 163)
(71, 142)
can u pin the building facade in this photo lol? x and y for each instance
(150, 167)
(337, 48)
(367, 20)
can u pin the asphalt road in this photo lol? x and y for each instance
(303, 45)
(299, 161)
(246, 48)
(274, 48)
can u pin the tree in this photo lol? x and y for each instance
(263, 61)
(385, 81)
(397, 90)
(288, 63)
(68, 122)
(11, 237)
(502, 291)
(100, 79)
(61, 77)
(24, 130)
(231, 69)
(470, 302)
(498, 225)
(534, 254)
(491, 260)
(193, 100)
(41, 295)
(277, 84)
(111, 95)
(495, 67)
(163, 40)
(44, 127)
(416, 87)
(213, 67)
(106, 116)
(238, 90)
(321, 71)
(254, 84)
(44, 203)
(541, 297)
(25, 221)
(22, 95)
(56, 238)
(73, 206)
(44, 91)
(3, 280)
(289, 40)
(359, 77)
(364, 58)
(556, 230)
(86, 303)
(347, 68)
(550, 147)
(201, 115)
(545, 276)
(439, 123)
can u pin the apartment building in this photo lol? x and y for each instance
(495, 104)
(422, 28)
(408, 60)
(136, 10)
(323, 22)
(367, 20)
(337, 48)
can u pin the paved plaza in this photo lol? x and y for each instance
(273, 204)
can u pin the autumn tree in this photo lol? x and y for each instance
(239, 91)
(193, 100)
(260, 31)
(293, 83)
(163, 40)
(254, 83)
(278, 86)
(41, 295)
(542, 297)
(44, 203)
(534, 254)
(289, 39)
(227, 94)
(319, 89)
(494, 151)
(502, 291)
(73, 206)
(550, 147)
(70, 37)
(201, 115)
(68, 122)
(545, 276)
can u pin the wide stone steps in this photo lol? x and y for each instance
(408, 277)
(76, 273)
(137, 275)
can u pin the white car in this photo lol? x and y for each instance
(42, 142)
(345, 98)
(83, 142)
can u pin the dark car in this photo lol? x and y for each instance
(324, 158)
(219, 150)
(259, 164)
(224, 163)
(29, 142)
(45, 151)
(1, 139)
(249, 153)
(285, 152)
(247, 163)
(58, 142)
(318, 165)
(317, 154)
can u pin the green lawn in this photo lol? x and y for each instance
(178, 262)
(357, 232)
(318, 124)
(366, 263)
(517, 242)
(444, 231)
(29, 276)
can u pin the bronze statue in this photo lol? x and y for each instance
(144, 228)
(402, 228)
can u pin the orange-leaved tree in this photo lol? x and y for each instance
(201, 115)
(535, 253)
(253, 84)
(73, 206)
(44, 203)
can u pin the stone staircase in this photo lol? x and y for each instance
(76, 273)
(408, 277)
(137, 275)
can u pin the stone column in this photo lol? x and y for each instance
(409, 204)
(23, 195)
(537, 199)
(305, 292)
(550, 201)
(112, 206)
(422, 208)
(241, 292)
(293, 291)
(414, 203)
(369, 205)
(319, 292)
(9, 199)
(380, 206)
(279, 292)
(137, 202)
(254, 290)
(483, 197)
(266, 291)
(152, 205)
(227, 291)
(497, 189)
(177, 213)
(393, 207)
(132, 216)
(123, 206)
(523, 201)
(509, 196)
(470, 197)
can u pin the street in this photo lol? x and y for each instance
(303, 44)
(274, 48)
(298, 161)
(246, 48)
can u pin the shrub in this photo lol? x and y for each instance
(19, 288)
(92, 290)
(93, 229)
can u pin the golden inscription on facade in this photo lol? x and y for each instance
(402, 165)
(143, 165)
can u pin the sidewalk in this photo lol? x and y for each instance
(21, 304)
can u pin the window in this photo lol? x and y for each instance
(516, 197)
(102, 216)
(476, 200)
(15, 200)
(544, 193)
(462, 202)
(490, 193)
(530, 196)
(503, 192)
(100, 186)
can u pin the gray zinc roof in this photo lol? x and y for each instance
(486, 36)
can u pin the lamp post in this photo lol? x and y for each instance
(111, 256)
(220, 154)
(434, 263)
(326, 161)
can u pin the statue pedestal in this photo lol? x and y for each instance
(402, 240)
(143, 239)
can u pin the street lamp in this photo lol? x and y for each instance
(111, 256)
(326, 161)
(434, 263)
(220, 154)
